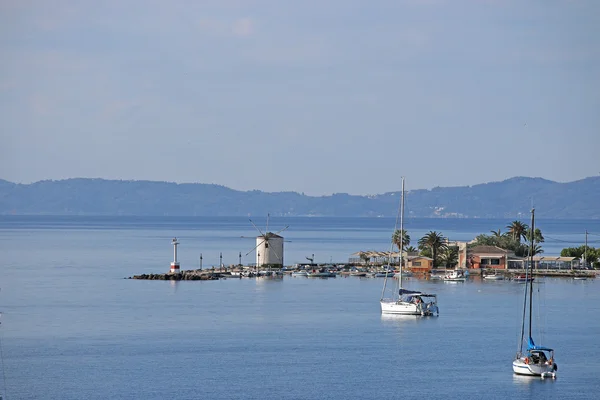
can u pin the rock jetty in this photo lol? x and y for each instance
(192, 275)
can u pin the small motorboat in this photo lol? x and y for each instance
(455, 276)
(522, 278)
(321, 273)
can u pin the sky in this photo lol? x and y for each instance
(316, 97)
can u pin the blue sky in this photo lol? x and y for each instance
(310, 96)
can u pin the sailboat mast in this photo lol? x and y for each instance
(585, 251)
(531, 248)
(401, 233)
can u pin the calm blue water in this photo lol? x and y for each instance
(73, 328)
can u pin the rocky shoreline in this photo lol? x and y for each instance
(191, 275)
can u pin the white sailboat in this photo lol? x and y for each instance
(537, 360)
(406, 302)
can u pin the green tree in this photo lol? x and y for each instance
(537, 235)
(434, 241)
(521, 250)
(592, 254)
(509, 241)
(485, 240)
(449, 256)
(405, 239)
(576, 252)
(410, 249)
(537, 249)
(497, 234)
(517, 230)
(426, 252)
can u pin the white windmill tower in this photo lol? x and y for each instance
(269, 247)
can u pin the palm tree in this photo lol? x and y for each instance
(410, 249)
(449, 256)
(497, 233)
(435, 241)
(517, 230)
(405, 239)
(537, 249)
(537, 235)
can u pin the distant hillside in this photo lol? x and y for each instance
(507, 199)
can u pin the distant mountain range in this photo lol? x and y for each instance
(511, 198)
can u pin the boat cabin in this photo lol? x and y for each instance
(417, 297)
(540, 355)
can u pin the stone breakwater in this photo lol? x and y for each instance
(194, 275)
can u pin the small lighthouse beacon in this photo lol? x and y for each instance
(175, 263)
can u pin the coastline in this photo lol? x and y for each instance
(249, 272)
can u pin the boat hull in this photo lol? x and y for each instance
(321, 275)
(406, 308)
(520, 367)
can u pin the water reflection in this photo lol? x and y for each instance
(399, 319)
(262, 282)
(527, 380)
(274, 278)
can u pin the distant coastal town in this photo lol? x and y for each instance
(503, 254)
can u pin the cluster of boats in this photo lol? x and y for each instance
(517, 278)
(325, 272)
(462, 275)
(254, 274)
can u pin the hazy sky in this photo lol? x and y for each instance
(309, 96)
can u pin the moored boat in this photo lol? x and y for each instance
(320, 273)
(406, 302)
(536, 360)
(522, 278)
(411, 302)
(455, 276)
(388, 274)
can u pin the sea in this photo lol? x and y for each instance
(74, 327)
